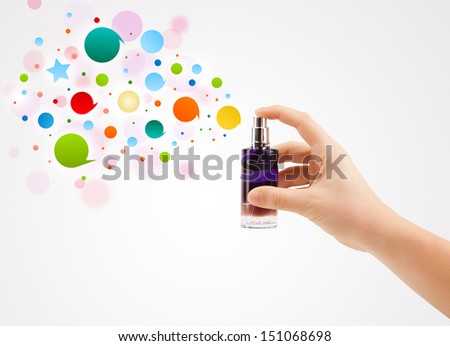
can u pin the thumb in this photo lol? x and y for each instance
(271, 197)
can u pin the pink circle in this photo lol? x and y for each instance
(79, 184)
(172, 39)
(38, 182)
(128, 25)
(180, 23)
(133, 61)
(14, 153)
(71, 53)
(62, 101)
(33, 61)
(34, 4)
(95, 194)
(147, 98)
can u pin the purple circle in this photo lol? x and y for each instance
(128, 25)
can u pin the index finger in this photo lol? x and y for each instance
(310, 131)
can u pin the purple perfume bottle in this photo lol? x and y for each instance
(259, 167)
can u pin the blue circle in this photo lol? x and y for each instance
(192, 82)
(68, 89)
(132, 141)
(38, 41)
(24, 92)
(69, 15)
(174, 143)
(125, 70)
(224, 134)
(154, 81)
(158, 62)
(227, 96)
(152, 41)
(182, 133)
(46, 120)
(197, 69)
(209, 115)
(24, 118)
(88, 125)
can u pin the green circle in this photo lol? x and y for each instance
(130, 82)
(83, 177)
(83, 74)
(102, 79)
(216, 82)
(176, 68)
(23, 77)
(69, 120)
(164, 156)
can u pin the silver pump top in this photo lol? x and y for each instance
(260, 133)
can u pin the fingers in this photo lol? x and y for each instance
(293, 152)
(278, 198)
(310, 131)
(293, 176)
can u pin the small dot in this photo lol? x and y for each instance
(23, 77)
(83, 74)
(196, 69)
(25, 118)
(38, 41)
(36, 66)
(125, 70)
(209, 115)
(35, 147)
(40, 94)
(217, 99)
(174, 143)
(83, 178)
(157, 103)
(55, 101)
(24, 92)
(201, 129)
(213, 139)
(69, 14)
(96, 20)
(192, 82)
(130, 82)
(158, 62)
(192, 141)
(227, 96)
(106, 111)
(69, 120)
(142, 159)
(182, 133)
(224, 134)
(67, 31)
(209, 129)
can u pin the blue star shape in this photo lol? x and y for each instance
(59, 70)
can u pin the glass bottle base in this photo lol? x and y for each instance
(259, 221)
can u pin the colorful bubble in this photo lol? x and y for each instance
(154, 129)
(157, 62)
(34, 4)
(23, 77)
(102, 44)
(14, 153)
(102, 79)
(72, 150)
(60, 101)
(128, 25)
(110, 132)
(228, 117)
(46, 120)
(88, 125)
(164, 156)
(154, 81)
(95, 194)
(172, 39)
(132, 141)
(196, 69)
(186, 109)
(71, 53)
(216, 82)
(227, 96)
(25, 117)
(180, 23)
(192, 82)
(176, 68)
(133, 62)
(82, 103)
(152, 41)
(38, 182)
(38, 41)
(80, 184)
(128, 101)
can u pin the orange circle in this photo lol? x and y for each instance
(106, 111)
(157, 103)
(40, 94)
(35, 147)
(142, 159)
(67, 31)
(36, 66)
(110, 132)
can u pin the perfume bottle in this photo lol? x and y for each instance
(259, 167)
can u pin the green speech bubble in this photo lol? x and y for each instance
(72, 150)
(102, 44)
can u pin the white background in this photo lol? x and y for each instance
(375, 74)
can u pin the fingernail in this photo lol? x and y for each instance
(254, 197)
(260, 109)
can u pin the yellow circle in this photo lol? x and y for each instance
(228, 117)
(128, 101)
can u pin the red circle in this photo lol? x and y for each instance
(96, 20)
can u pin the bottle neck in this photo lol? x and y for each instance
(260, 137)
